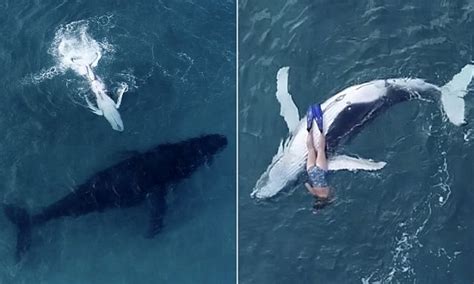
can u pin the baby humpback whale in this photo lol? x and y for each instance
(345, 114)
(144, 176)
(105, 105)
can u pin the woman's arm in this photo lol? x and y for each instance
(309, 188)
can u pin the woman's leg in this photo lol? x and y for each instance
(311, 160)
(321, 160)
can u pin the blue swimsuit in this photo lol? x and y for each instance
(317, 176)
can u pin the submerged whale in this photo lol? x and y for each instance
(344, 114)
(144, 176)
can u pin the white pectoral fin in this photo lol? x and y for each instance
(89, 73)
(121, 90)
(344, 162)
(288, 109)
(94, 63)
(93, 108)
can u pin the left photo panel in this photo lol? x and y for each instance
(118, 145)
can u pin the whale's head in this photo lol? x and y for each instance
(209, 145)
(174, 161)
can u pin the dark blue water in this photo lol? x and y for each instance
(385, 227)
(178, 60)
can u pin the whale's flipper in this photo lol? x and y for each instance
(344, 162)
(120, 91)
(22, 220)
(93, 108)
(453, 92)
(157, 204)
(98, 56)
(288, 109)
(89, 73)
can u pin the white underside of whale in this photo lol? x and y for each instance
(105, 105)
(290, 159)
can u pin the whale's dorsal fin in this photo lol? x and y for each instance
(157, 205)
(344, 162)
(288, 109)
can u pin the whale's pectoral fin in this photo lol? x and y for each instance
(93, 108)
(22, 220)
(89, 73)
(157, 204)
(288, 109)
(96, 60)
(344, 162)
(120, 91)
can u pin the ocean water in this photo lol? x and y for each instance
(177, 61)
(408, 223)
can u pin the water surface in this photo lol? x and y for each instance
(178, 60)
(410, 222)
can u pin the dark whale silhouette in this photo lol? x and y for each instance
(126, 184)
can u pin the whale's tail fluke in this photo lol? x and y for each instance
(453, 92)
(22, 220)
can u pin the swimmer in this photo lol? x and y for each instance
(316, 164)
(105, 105)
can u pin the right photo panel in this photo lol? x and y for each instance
(356, 147)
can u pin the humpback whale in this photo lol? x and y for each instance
(143, 176)
(344, 115)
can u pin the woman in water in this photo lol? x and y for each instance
(105, 104)
(316, 164)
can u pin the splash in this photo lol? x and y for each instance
(74, 49)
(406, 244)
(399, 268)
(73, 42)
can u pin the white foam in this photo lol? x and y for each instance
(73, 48)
